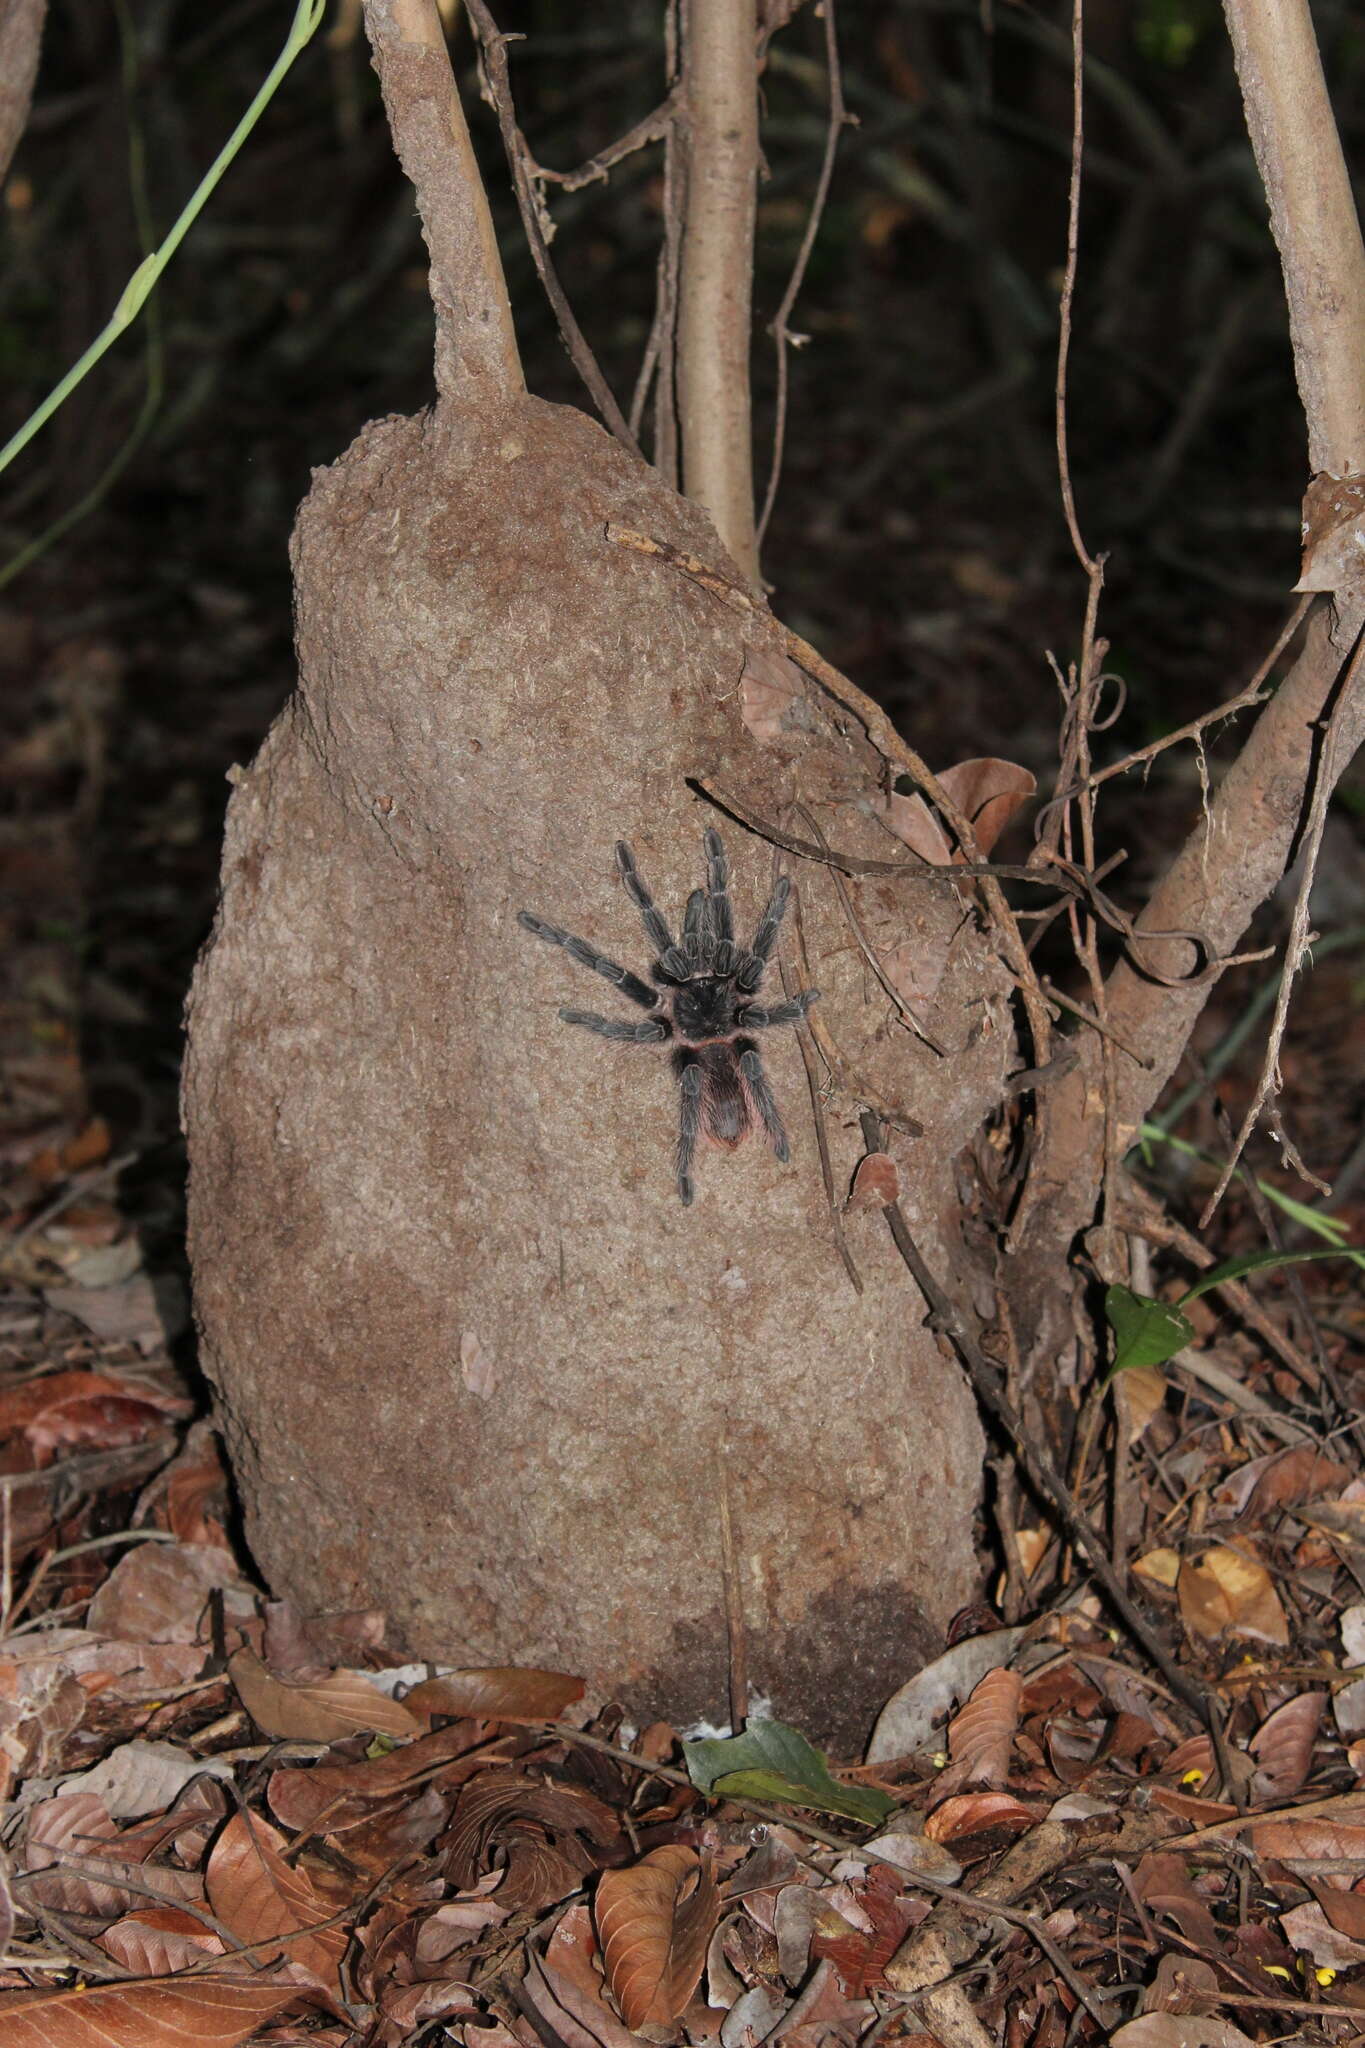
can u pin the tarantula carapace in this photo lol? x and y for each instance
(702, 1005)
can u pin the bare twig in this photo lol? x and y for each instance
(817, 1108)
(866, 949)
(476, 345)
(1253, 693)
(493, 44)
(653, 128)
(1160, 1229)
(735, 1631)
(1093, 568)
(1042, 1473)
(1299, 936)
(781, 333)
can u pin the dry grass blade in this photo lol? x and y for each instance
(654, 1922)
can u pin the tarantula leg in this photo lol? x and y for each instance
(721, 914)
(753, 963)
(756, 1081)
(756, 1016)
(660, 937)
(694, 936)
(649, 1031)
(689, 1128)
(587, 956)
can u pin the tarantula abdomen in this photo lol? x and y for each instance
(699, 1002)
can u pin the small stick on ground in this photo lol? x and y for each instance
(736, 1635)
(1041, 1472)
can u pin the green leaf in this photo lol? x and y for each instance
(1146, 1332)
(772, 1761)
(1263, 1262)
(1330, 1228)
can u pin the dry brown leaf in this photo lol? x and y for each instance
(344, 1796)
(876, 1184)
(538, 1830)
(160, 1593)
(860, 1954)
(1163, 1882)
(1161, 1566)
(1139, 1396)
(496, 1693)
(82, 1864)
(1283, 1746)
(321, 1710)
(156, 1941)
(1196, 1813)
(772, 695)
(987, 792)
(210, 2012)
(1177, 1978)
(1333, 523)
(64, 1407)
(981, 1733)
(1030, 1547)
(1192, 1760)
(137, 1311)
(194, 1489)
(974, 1814)
(261, 1898)
(413, 2007)
(654, 1922)
(1317, 1839)
(1228, 1593)
(1345, 1909)
(1308, 1929)
(137, 1778)
(1292, 1476)
(566, 1987)
(1178, 2030)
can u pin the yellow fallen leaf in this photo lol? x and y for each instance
(1162, 1567)
(1228, 1593)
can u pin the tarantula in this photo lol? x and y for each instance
(702, 1005)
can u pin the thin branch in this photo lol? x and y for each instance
(1299, 935)
(1042, 1473)
(1073, 233)
(868, 952)
(790, 985)
(653, 128)
(493, 44)
(736, 1634)
(1253, 693)
(781, 333)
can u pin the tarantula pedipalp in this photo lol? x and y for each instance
(701, 1005)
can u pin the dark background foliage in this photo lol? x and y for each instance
(918, 533)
